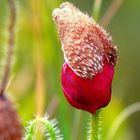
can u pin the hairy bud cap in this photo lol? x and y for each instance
(84, 43)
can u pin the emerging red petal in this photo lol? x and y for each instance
(87, 94)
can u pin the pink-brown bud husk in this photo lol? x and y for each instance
(10, 126)
(84, 43)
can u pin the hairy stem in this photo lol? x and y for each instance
(95, 126)
(11, 38)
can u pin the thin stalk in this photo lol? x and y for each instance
(95, 126)
(111, 11)
(40, 84)
(53, 105)
(7, 67)
(96, 9)
(127, 112)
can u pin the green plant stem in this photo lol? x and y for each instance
(96, 9)
(95, 126)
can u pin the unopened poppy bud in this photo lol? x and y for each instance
(90, 57)
(10, 126)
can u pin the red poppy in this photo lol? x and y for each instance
(90, 57)
(87, 94)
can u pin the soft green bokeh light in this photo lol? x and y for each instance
(125, 30)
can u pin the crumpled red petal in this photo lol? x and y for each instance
(87, 94)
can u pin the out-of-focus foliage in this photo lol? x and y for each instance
(38, 49)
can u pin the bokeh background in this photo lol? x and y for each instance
(34, 84)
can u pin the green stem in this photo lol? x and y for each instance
(95, 126)
(96, 9)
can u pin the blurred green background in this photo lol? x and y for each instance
(35, 79)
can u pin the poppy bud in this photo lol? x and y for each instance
(90, 57)
(10, 126)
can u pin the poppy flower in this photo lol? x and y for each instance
(90, 58)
